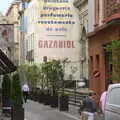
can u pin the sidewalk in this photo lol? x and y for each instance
(73, 110)
(3, 117)
(36, 111)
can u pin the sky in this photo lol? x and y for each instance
(4, 5)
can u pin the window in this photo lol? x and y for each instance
(97, 10)
(91, 63)
(114, 96)
(108, 65)
(97, 62)
(44, 58)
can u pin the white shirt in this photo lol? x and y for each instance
(25, 88)
(103, 100)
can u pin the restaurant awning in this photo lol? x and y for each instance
(6, 66)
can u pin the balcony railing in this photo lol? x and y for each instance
(112, 9)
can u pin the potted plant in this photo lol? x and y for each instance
(6, 94)
(63, 99)
(17, 99)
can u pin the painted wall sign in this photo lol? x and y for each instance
(57, 32)
(57, 24)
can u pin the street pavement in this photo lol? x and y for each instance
(36, 111)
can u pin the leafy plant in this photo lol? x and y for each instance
(29, 73)
(114, 49)
(17, 99)
(33, 73)
(43, 80)
(6, 90)
(52, 74)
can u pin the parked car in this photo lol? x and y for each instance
(112, 107)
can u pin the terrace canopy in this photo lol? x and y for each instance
(6, 66)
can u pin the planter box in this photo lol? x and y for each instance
(47, 99)
(63, 103)
(54, 101)
(41, 98)
(17, 114)
(6, 106)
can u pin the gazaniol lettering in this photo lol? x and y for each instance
(56, 44)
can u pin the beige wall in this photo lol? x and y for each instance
(83, 17)
(37, 32)
(93, 11)
(13, 15)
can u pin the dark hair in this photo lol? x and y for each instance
(110, 82)
(90, 94)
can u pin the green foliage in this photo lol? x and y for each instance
(114, 45)
(17, 99)
(23, 72)
(114, 49)
(52, 74)
(29, 73)
(6, 87)
(42, 79)
(46, 76)
(29, 1)
(33, 73)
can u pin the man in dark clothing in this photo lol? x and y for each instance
(89, 107)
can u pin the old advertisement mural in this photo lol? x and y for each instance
(58, 34)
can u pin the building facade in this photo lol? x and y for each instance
(12, 16)
(4, 41)
(82, 6)
(9, 32)
(54, 32)
(103, 27)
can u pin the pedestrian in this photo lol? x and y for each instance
(103, 98)
(25, 89)
(89, 108)
(103, 101)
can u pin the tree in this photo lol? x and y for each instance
(33, 73)
(29, 73)
(114, 49)
(17, 98)
(43, 76)
(6, 91)
(52, 74)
